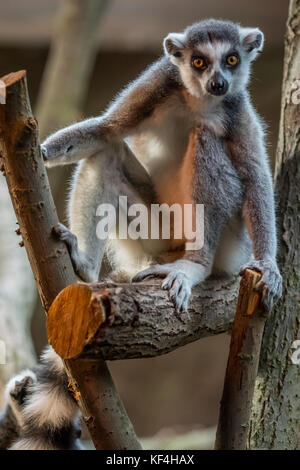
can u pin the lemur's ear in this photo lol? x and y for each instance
(252, 40)
(174, 43)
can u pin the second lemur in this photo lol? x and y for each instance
(183, 132)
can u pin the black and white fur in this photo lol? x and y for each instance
(45, 413)
(176, 134)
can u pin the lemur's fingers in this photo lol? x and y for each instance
(253, 265)
(176, 282)
(271, 287)
(270, 284)
(49, 162)
(180, 290)
(84, 267)
(158, 270)
(44, 153)
(64, 234)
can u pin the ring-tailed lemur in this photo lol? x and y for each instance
(185, 131)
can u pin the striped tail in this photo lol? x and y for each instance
(48, 417)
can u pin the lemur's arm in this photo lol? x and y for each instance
(248, 152)
(131, 107)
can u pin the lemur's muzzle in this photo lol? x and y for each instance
(217, 85)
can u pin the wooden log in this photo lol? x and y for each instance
(242, 367)
(32, 200)
(123, 321)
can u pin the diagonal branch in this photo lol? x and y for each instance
(29, 189)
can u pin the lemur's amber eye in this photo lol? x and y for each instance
(232, 60)
(199, 63)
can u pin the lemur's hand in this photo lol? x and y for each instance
(176, 282)
(270, 284)
(73, 143)
(57, 149)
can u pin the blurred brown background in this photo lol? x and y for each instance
(182, 388)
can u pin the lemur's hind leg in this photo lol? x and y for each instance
(101, 179)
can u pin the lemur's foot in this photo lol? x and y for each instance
(270, 284)
(175, 281)
(82, 267)
(64, 234)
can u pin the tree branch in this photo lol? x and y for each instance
(242, 366)
(123, 321)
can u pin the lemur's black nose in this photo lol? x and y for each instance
(217, 85)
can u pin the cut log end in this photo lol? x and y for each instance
(74, 318)
(249, 299)
(13, 77)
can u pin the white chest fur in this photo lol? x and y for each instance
(162, 141)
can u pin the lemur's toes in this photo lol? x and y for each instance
(179, 290)
(270, 284)
(44, 152)
(61, 232)
(157, 270)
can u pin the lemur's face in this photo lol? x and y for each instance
(214, 56)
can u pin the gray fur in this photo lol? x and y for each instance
(212, 30)
(169, 110)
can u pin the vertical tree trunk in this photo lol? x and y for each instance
(276, 411)
(242, 366)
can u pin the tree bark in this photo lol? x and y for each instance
(242, 366)
(32, 200)
(125, 321)
(276, 411)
